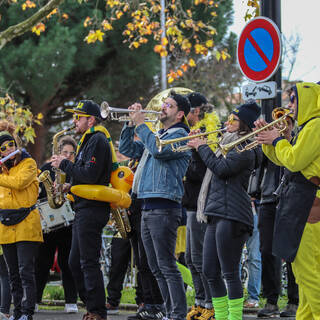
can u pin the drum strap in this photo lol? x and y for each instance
(10, 217)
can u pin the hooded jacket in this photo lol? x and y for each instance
(304, 155)
(19, 188)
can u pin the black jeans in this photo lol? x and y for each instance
(150, 289)
(84, 257)
(120, 259)
(61, 240)
(5, 294)
(271, 265)
(20, 258)
(222, 249)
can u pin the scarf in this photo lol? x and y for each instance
(201, 217)
(102, 129)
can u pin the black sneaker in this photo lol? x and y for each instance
(269, 311)
(152, 313)
(137, 316)
(289, 311)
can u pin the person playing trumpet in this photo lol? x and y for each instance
(20, 227)
(223, 199)
(95, 157)
(297, 225)
(160, 187)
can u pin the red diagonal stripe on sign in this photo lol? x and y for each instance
(260, 52)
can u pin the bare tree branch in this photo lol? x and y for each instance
(24, 26)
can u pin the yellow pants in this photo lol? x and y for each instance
(306, 269)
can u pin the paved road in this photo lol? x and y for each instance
(61, 315)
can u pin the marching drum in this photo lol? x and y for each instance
(53, 219)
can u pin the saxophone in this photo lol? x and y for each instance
(54, 194)
(121, 221)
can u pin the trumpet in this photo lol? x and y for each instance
(175, 143)
(278, 114)
(113, 113)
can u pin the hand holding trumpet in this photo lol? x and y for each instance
(136, 115)
(265, 136)
(196, 142)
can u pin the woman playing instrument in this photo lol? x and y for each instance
(224, 201)
(57, 239)
(20, 228)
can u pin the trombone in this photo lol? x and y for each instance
(278, 114)
(113, 113)
(175, 143)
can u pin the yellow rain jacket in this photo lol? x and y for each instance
(19, 188)
(291, 157)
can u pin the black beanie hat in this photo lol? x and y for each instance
(6, 136)
(196, 99)
(248, 113)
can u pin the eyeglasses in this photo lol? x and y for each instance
(168, 105)
(77, 116)
(292, 98)
(9, 144)
(232, 119)
(67, 153)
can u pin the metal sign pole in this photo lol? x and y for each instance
(163, 34)
(272, 9)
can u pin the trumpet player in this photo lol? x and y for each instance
(223, 199)
(161, 189)
(297, 225)
(93, 164)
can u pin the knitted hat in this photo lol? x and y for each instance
(6, 136)
(196, 99)
(248, 113)
(87, 107)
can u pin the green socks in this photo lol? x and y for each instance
(220, 308)
(235, 309)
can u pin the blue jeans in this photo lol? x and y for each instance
(254, 262)
(159, 235)
(194, 248)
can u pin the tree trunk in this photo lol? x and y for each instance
(38, 149)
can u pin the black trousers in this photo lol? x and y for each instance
(150, 288)
(20, 258)
(271, 265)
(84, 257)
(120, 260)
(61, 240)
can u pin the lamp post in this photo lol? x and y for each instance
(163, 35)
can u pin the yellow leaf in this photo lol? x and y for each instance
(65, 16)
(218, 55)
(39, 116)
(209, 43)
(192, 63)
(99, 35)
(37, 29)
(201, 24)
(164, 41)
(135, 44)
(170, 79)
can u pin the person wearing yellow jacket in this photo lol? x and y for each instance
(297, 226)
(20, 227)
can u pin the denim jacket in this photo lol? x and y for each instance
(163, 172)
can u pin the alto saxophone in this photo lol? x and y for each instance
(54, 194)
(121, 221)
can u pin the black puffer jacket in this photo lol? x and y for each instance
(227, 195)
(92, 166)
(192, 184)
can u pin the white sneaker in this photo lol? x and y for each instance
(71, 308)
(36, 307)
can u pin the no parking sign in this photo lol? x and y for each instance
(259, 49)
